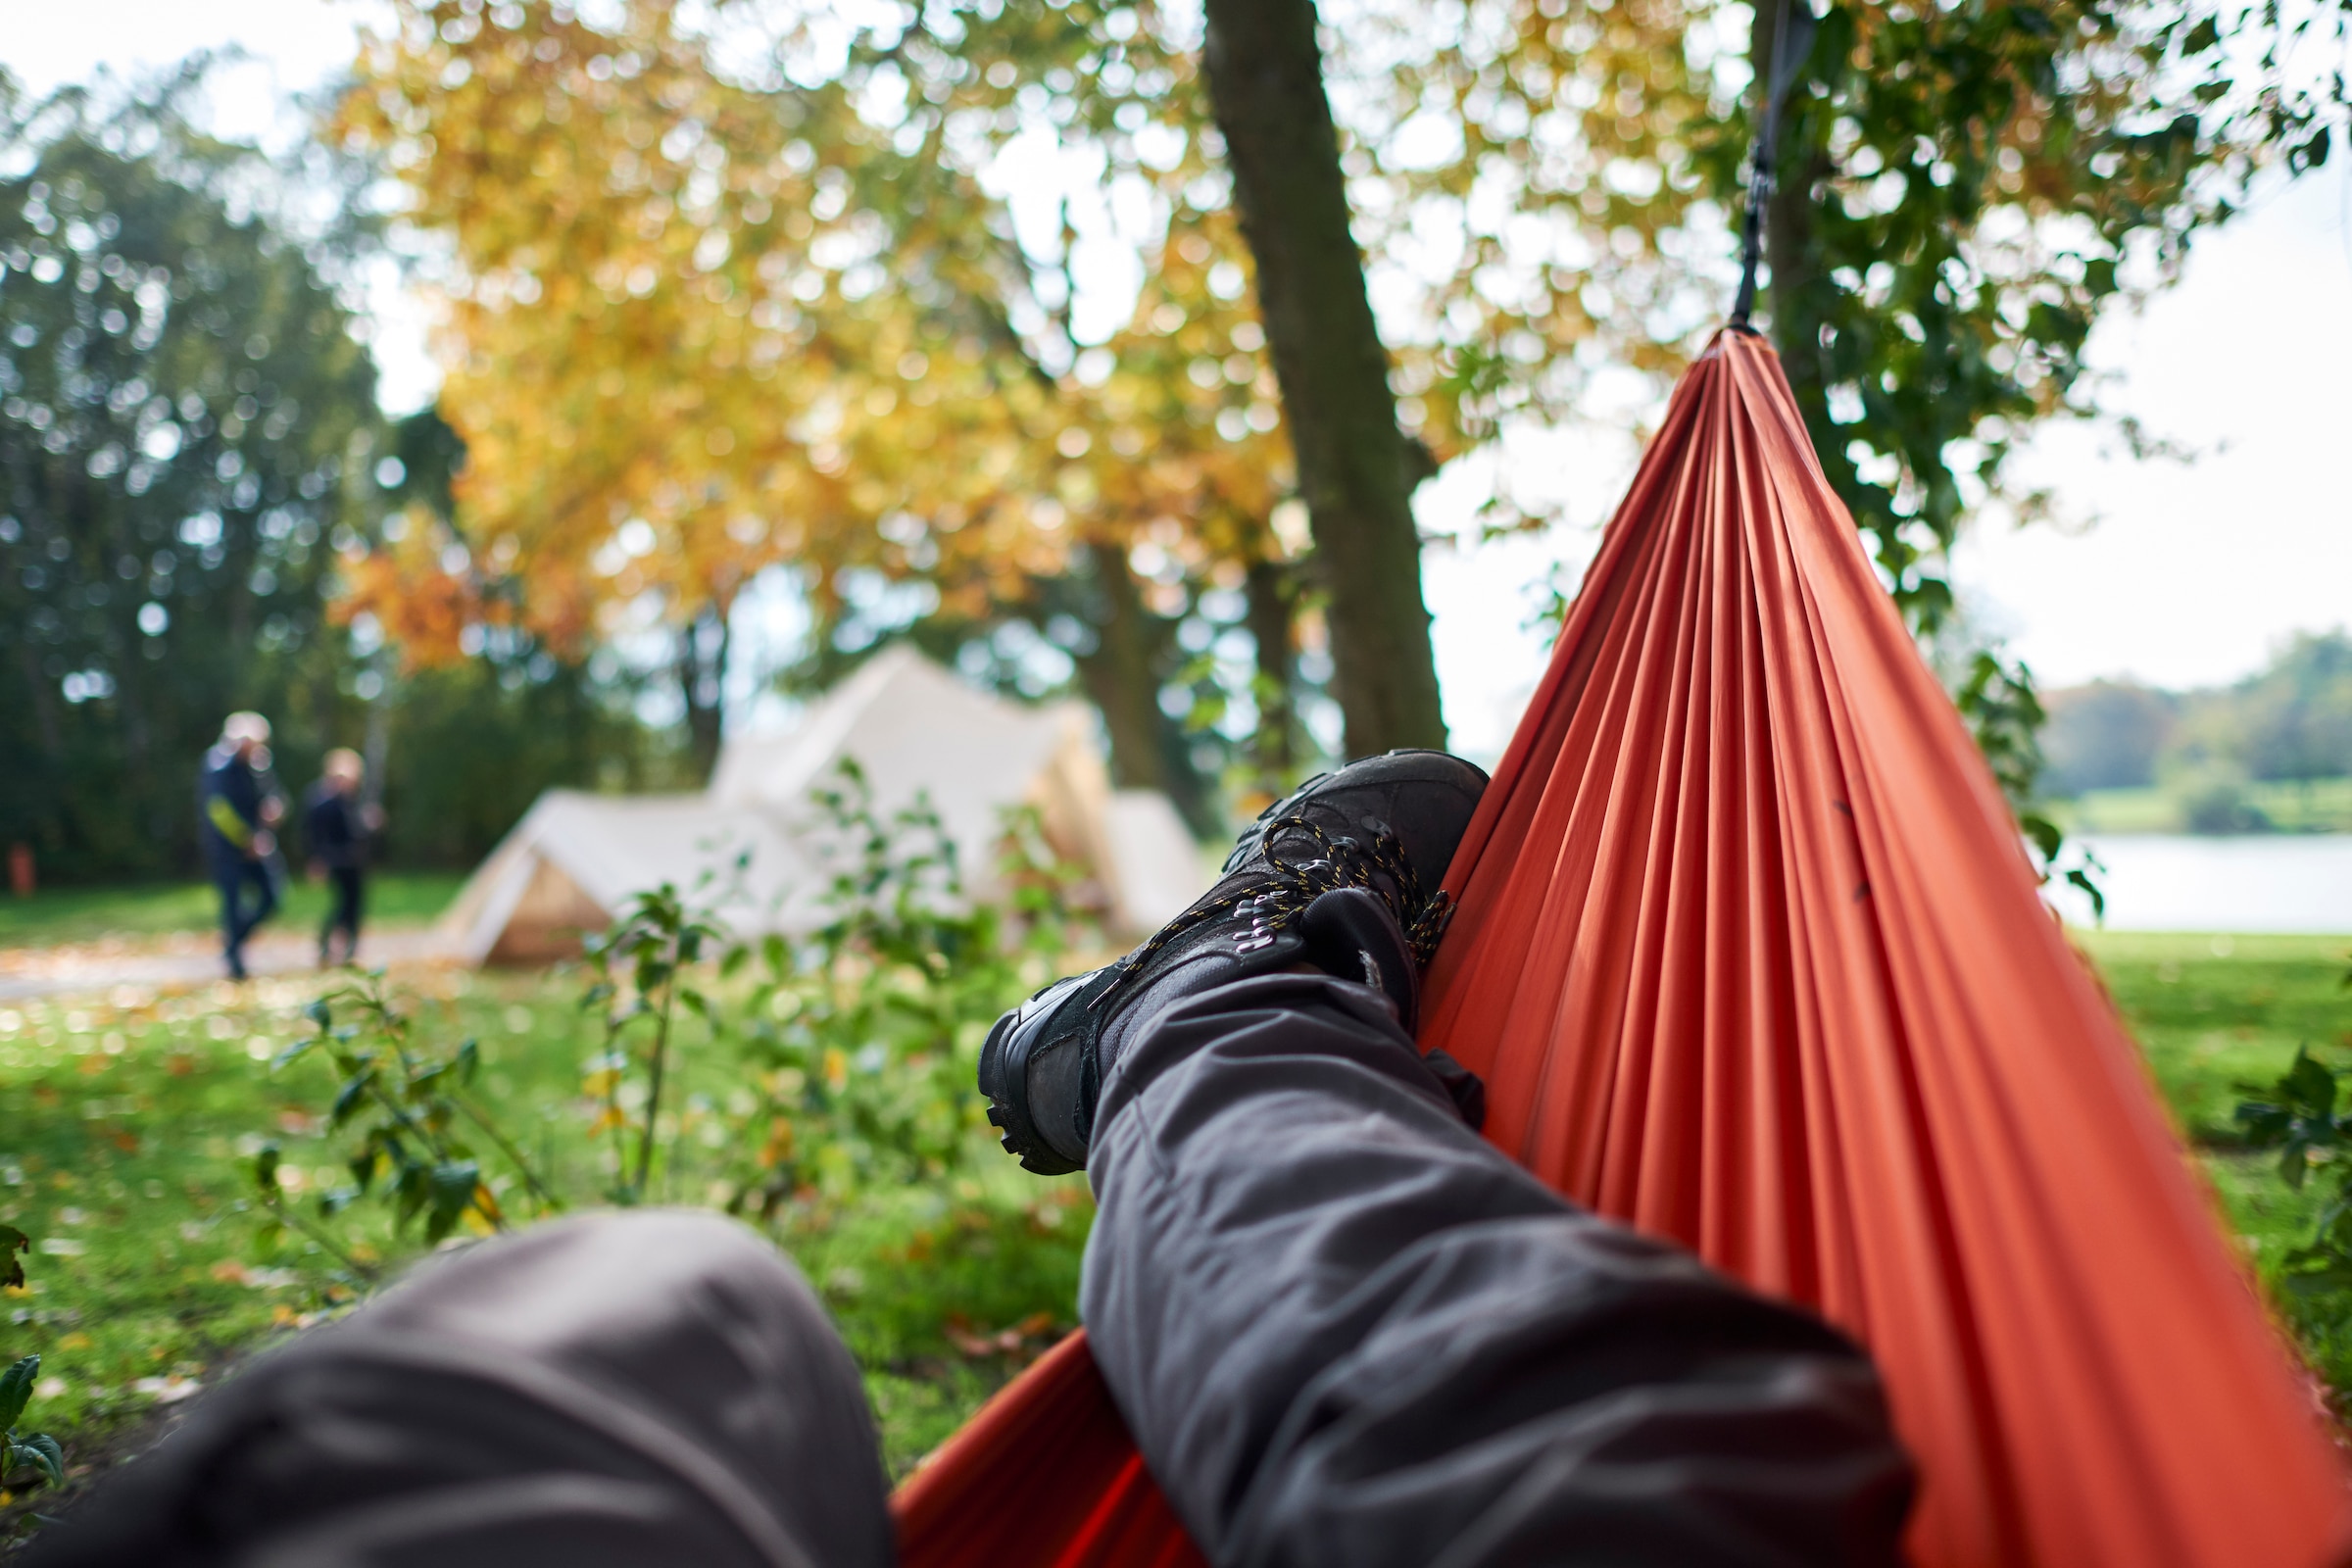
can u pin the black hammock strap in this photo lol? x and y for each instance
(1791, 41)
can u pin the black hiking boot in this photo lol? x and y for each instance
(1381, 832)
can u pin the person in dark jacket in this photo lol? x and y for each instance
(238, 808)
(338, 824)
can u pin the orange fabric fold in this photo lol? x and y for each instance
(1750, 956)
(1044, 1476)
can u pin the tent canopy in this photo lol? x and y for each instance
(918, 733)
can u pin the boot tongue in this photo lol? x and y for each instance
(1350, 934)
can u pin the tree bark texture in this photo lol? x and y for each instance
(1265, 82)
(1272, 601)
(1123, 674)
(1789, 252)
(702, 671)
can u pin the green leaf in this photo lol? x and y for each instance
(264, 1169)
(2082, 879)
(16, 1389)
(45, 1457)
(11, 1268)
(349, 1097)
(410, 1192)
(452, 1187)
(2309, 1086)
(2265, 1124)
(2334, 1276)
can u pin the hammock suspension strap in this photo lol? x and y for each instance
(1793, 30)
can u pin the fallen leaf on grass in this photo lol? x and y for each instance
(1014, 1341)
(228, 1271)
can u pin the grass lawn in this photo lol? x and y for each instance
(2213, 1012)
(55, 916)
(130, 1124)
(125, 1152)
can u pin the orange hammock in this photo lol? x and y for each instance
(1750, 956)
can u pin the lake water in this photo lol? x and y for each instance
(2166, 882)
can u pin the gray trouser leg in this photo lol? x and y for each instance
(1347, 1331)
(620, 1388)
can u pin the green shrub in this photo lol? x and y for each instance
(2216, 799)
(863, 1038)
(36, 1452)
(850, 1053)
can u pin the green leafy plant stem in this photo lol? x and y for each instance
(657, 1067)
(273, 1200)
(540, 1191)
(25, 1450)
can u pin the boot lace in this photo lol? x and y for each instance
(1293, 882)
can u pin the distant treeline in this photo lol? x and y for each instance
(2289, 724)
(190, 450)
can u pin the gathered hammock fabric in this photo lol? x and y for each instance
(1750, 956)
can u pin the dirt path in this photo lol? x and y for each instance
(188, 958)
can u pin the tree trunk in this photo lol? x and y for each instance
(1789, 249)
(1265, 82)
(1272, 604)
(376, 750)
(1122, 674)
(41, 692)
(703, 682)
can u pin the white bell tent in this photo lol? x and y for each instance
(757, 844)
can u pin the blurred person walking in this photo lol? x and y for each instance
(337, 824)
(238, 806)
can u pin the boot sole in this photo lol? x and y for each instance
(1004, 1076)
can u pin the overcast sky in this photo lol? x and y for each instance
(2180, 575)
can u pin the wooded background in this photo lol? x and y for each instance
(738, 305)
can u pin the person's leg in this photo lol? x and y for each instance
(264, 875)
(355, 899)
(620, 1388)
(331, 920)
(342, 916)
(228, 880)
(1347, 1331)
